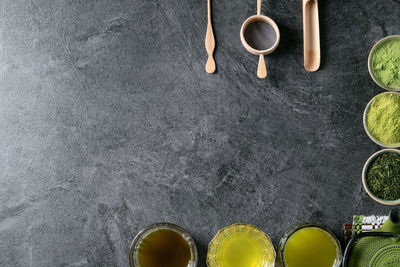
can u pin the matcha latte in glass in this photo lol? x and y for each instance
(310, 246)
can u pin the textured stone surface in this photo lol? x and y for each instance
(108, 122)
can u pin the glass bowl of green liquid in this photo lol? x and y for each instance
(241, 245)
(310, 246)
(163, 245)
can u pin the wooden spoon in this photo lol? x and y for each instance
(312, 51)
(210, 43)
(262, 69)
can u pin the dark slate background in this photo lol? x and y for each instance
(109, 122)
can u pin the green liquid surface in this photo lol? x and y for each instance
(164, 248)
(241, 245)
(311, 247)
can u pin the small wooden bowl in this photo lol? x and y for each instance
(364, 178)
(366, 126)
(262, 70)
(269, 21)
(371, 73)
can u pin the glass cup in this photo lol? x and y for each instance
(293, 230)
(134, 252)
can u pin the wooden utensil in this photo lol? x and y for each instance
(210, 42)
(261, 70)
(312, 51)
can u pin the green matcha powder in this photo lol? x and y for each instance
(383, 118)
(386, 63)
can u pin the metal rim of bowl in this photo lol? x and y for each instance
(366, 127)
(291, 231)
(371, 73)
(364, 177)
(164, 225)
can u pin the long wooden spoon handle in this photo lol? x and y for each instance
(262, 69)
(210, 43)
(258, 7)
(312, 52)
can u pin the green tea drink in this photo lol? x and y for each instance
(311, 247)
(241, 245)
(164, 248)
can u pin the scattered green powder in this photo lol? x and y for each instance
(383, 176)
(386, 63)
(383, 118)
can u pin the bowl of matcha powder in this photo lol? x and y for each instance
(381, 176)
(384, 63)
(382, 119)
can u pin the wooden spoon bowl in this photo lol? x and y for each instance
(312, 51)
(262, 70)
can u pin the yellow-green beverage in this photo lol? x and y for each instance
(311, 247)
(241, 245)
